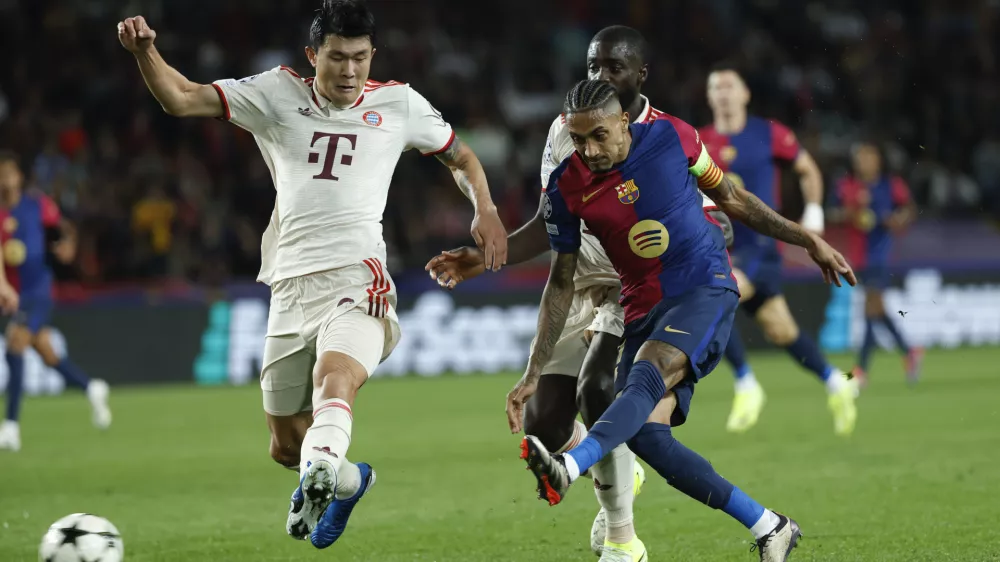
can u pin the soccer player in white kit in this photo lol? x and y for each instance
(332, 143)
(580, 376)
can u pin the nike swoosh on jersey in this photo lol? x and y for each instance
(675, 331)
(589, 196)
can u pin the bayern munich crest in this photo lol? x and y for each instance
(373, 118)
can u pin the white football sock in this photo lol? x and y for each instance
(614, 486)
(746, 382)
(572, 468)
(836, 381)
(767, 522)
(328, 439)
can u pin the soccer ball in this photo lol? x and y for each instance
(81, 537)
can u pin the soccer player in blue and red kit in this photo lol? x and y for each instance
(636, 187)
(749, 150)
(30, 228)
(876, 206)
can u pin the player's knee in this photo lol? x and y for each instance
(337, 375)
(594, 394)
(548, 424)
(874, 307)
(285, 454)
(781, 333)
(18, 340)
(777, 323)
(670, 362)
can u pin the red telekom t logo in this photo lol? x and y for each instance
(331, 153)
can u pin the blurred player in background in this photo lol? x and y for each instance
(876, 206)
(749, 149)
(637, 188)
(331, 143)
(31, 228)
(579, 379)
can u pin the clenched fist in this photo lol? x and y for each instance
(135, 34)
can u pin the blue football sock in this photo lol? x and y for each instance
(15, 385)
(900, 340)
(743, 508)
(72, 374)
(684, 469)
(805, 351)
(864, 356)
(736, 354)
(624, 417)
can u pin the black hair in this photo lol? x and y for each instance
(10, 156)
(343, 18)
(589, 94)
(727, 66)
(622, 35)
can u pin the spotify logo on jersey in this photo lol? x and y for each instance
(648, 239)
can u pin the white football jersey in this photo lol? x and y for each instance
(331, 167)
(593, 266)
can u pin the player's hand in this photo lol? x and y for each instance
(135, 34)
(451, 267)
(491, 237)
(9, 301)
(831, 263)
(517, 398)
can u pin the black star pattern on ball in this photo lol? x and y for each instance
(72, 533)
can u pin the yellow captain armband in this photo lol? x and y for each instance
(708, 173)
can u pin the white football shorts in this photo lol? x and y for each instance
(350, 310)
(594, 309)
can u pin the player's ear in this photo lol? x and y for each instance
(643, 74)
(311, 55)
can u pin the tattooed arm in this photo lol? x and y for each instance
(487, 229)
(556, 301)
(747, 208)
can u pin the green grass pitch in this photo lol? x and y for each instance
(185, 474)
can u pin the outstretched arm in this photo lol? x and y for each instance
(553, 311)
(178, 95)
(487, 229)
(745, 207)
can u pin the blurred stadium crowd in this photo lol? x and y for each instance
(159, 197)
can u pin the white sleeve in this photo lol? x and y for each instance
(247, 102)
(426, 129)
(558, 146)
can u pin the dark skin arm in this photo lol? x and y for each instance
(553, 311)
(461, 264)
(745, 207)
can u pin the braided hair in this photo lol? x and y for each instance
(587, 95)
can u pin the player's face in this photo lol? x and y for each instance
(726, 92)
(600, 136)
(342, 66)
(10, 178)
(867, 162)
(618, 65)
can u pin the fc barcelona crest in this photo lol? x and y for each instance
(628, 192)
(728, 154)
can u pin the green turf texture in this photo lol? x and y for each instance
(185, 475)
